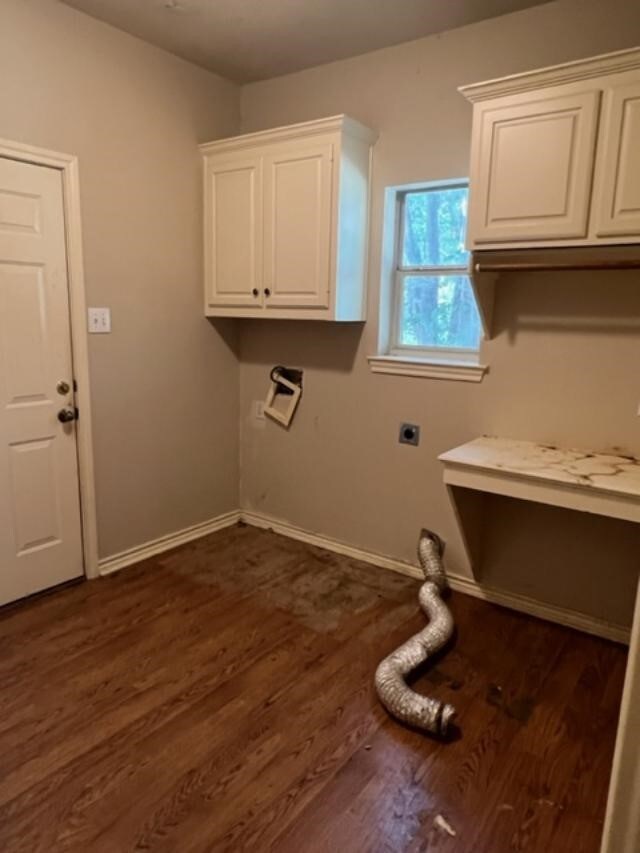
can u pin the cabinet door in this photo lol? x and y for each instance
(233, 231)
(533, 167)
(297, 225)
(617, 202)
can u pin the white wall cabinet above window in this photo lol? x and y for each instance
(286, 222)
(554, 156)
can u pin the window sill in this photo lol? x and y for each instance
(432, 369)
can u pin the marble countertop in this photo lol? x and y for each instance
(603, 472)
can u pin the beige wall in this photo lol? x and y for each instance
(564, 364)
(164, 383)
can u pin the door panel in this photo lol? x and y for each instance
(233, 231)
(22, 300)
(40, 529)
(618, 178)
(297, 250)
(19, 212)
(533, 168)
(33, 493)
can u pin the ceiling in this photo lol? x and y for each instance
(246, 40)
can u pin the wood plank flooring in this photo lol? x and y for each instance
(219, 698)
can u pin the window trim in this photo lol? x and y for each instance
(431, 368)
(435, 362)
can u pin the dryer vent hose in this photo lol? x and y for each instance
(423, 712)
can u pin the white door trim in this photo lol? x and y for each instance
(621, 833)
(68, 166)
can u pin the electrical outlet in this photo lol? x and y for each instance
(409, 434)
(258, 410)
(99, 321)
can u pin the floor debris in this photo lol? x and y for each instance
(440, 823)
(551, 803)
(517, 708)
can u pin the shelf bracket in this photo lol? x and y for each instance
(483, 285)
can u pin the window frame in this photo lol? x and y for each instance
(460, 355)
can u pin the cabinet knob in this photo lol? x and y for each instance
(267, 292)
(255, 291)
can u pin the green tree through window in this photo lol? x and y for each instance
(435, 305)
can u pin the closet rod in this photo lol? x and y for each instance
(544, 266)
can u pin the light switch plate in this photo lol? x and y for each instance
(99, 321)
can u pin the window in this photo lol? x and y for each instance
(434, 313)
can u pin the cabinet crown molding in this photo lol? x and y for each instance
(554, 75)
(338, 124)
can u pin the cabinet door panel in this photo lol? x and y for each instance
(618, 176)
(233, 231)
(533, 168)
(297, 250)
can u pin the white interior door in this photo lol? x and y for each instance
(297, 246)
(233, 230)
(618, 173)
(40, 527)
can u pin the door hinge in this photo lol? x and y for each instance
(75, 384)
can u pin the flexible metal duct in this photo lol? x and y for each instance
(403, 703)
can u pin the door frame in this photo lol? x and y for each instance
(621, 830)
(67, 165)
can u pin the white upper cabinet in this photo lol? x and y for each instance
(233, 223)
(617, 191)
(286, 221)
(297, 225)
(554, 156)
(532, 177)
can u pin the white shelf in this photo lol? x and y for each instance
(488, 266)
(599, 483)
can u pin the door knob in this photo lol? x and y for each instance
(67, 415)
(63, 387)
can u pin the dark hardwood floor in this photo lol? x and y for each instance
(219, 697)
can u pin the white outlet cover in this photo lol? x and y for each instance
(99, 321)
(258, 420)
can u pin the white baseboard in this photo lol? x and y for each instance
(257, 519)
(459, 583)
(157, 546)
(542, 610)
